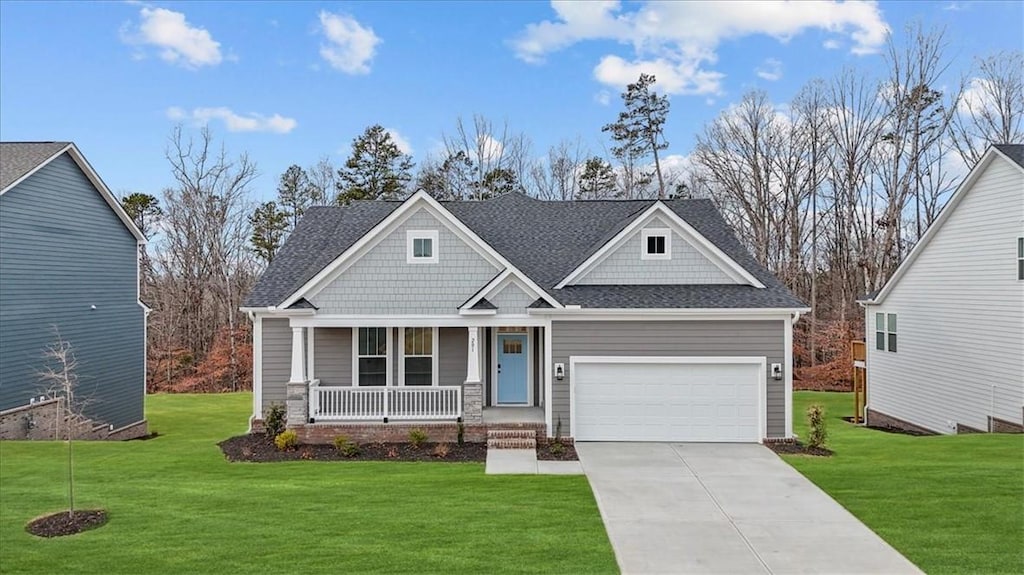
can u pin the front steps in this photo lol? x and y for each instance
(511, 439)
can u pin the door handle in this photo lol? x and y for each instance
(499, 368)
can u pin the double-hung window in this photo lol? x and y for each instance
(1020, 258)
(419, 356)
(885, 331)
(372, 356)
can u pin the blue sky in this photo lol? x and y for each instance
(291, 82)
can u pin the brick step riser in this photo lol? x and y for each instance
(511, 434)
(510, 444)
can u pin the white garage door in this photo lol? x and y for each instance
(667, 399)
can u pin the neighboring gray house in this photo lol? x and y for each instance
(69, 257)
(945, 335)
(601, 320)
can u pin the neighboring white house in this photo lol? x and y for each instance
(945, 335)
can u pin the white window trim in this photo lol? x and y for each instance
(655, 232)
(388, 367)
(411, 236)
(434, 364)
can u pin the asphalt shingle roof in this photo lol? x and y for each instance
(20, 158)
(545, 240)
(1013, 151)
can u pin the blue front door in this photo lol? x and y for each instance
(512, 368)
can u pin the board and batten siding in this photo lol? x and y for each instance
(276, 359)
(624, 266)
(761, 338)
(960, 317)
(382, 282)
(63, 250)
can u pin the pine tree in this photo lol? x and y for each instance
(377, 169)
(268, 230)
(597, 180)
(639, 130)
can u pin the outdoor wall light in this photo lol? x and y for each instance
(776, 371)
(559, 371)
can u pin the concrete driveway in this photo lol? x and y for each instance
(724, 508)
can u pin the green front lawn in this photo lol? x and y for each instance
(950, 504)
(176, 506)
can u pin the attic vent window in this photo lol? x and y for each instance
(421, 247)
(656, 244)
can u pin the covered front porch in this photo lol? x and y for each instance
(477, 375)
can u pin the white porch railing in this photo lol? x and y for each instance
(380, 403)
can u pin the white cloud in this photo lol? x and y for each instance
(831, 44)
(771, 70)
(178, 41)
(678, 40)
(604, 97)
(349, 45)
(401, 141)
(276, 124)
(977, 97)
(490, 148)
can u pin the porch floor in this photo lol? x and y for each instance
(499, 415)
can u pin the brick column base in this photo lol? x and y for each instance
(297, 404)
(473, 402)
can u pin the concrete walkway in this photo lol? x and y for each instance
(724, 508)
(524, 462)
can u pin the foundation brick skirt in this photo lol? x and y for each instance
(440, 432)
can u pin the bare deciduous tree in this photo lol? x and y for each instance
(992, 108)
(59, 378)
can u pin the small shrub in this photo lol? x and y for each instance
(816, 421)
(556, 448)
(346, 447)
(558, 430)
(462, 434)
(417, 437)
(392, 452)
(274, 420)
(307, 454)
(441, 450)
(286, 440)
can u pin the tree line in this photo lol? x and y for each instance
(829, 191)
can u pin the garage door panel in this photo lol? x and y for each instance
(646, 400)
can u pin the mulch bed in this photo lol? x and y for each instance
(567, 453)
(896, 430)
(261, 449)
(64, 523)
(797, 448)
(147, 437)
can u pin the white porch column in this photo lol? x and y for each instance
(298, 361)
(297, 389)
(473, 356)
(473, 389)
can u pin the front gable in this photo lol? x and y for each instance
(683, 263)
(383, 280)
(399, 278)
(685, 257)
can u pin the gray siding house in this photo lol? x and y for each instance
(945, 335)
(599, 320)
(68, 260)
